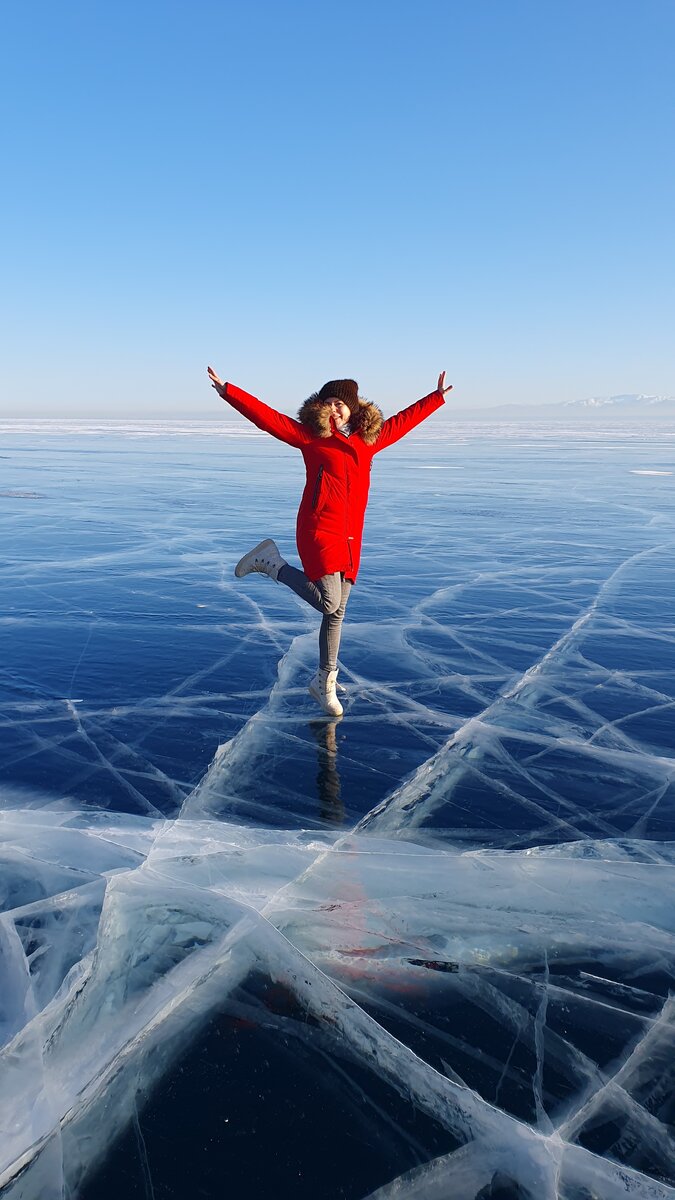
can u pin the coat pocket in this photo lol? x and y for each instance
(316, 494)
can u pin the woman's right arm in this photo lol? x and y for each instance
(268, 419)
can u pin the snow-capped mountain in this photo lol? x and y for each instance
(624, 408)
(623, 400)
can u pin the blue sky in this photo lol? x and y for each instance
(295, 191)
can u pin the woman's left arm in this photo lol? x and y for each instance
(396, 427)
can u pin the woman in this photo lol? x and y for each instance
(337, 434)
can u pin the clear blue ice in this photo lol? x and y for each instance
(425, 951)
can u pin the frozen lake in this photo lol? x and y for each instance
(422, 952)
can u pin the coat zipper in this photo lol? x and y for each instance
(349, 540)
(317, 485)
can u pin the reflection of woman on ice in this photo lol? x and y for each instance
(338, 434)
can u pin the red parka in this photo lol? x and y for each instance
(333, 506)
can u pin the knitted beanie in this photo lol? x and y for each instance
(346, 390)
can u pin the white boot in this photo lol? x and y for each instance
(323, 689)
(264, 557)
(339, 688)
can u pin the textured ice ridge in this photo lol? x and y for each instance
(111, 965)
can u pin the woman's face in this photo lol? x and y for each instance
(338, 411)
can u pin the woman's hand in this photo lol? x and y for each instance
(441, 382)
(216, 382)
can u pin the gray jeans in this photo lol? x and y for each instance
(329, 596)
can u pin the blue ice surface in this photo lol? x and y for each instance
(425, 950)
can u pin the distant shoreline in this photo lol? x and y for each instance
(577, 414)
(461, 421)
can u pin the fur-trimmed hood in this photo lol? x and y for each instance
(315, 415)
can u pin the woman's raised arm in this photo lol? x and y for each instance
(268, 419)
(397, 426)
